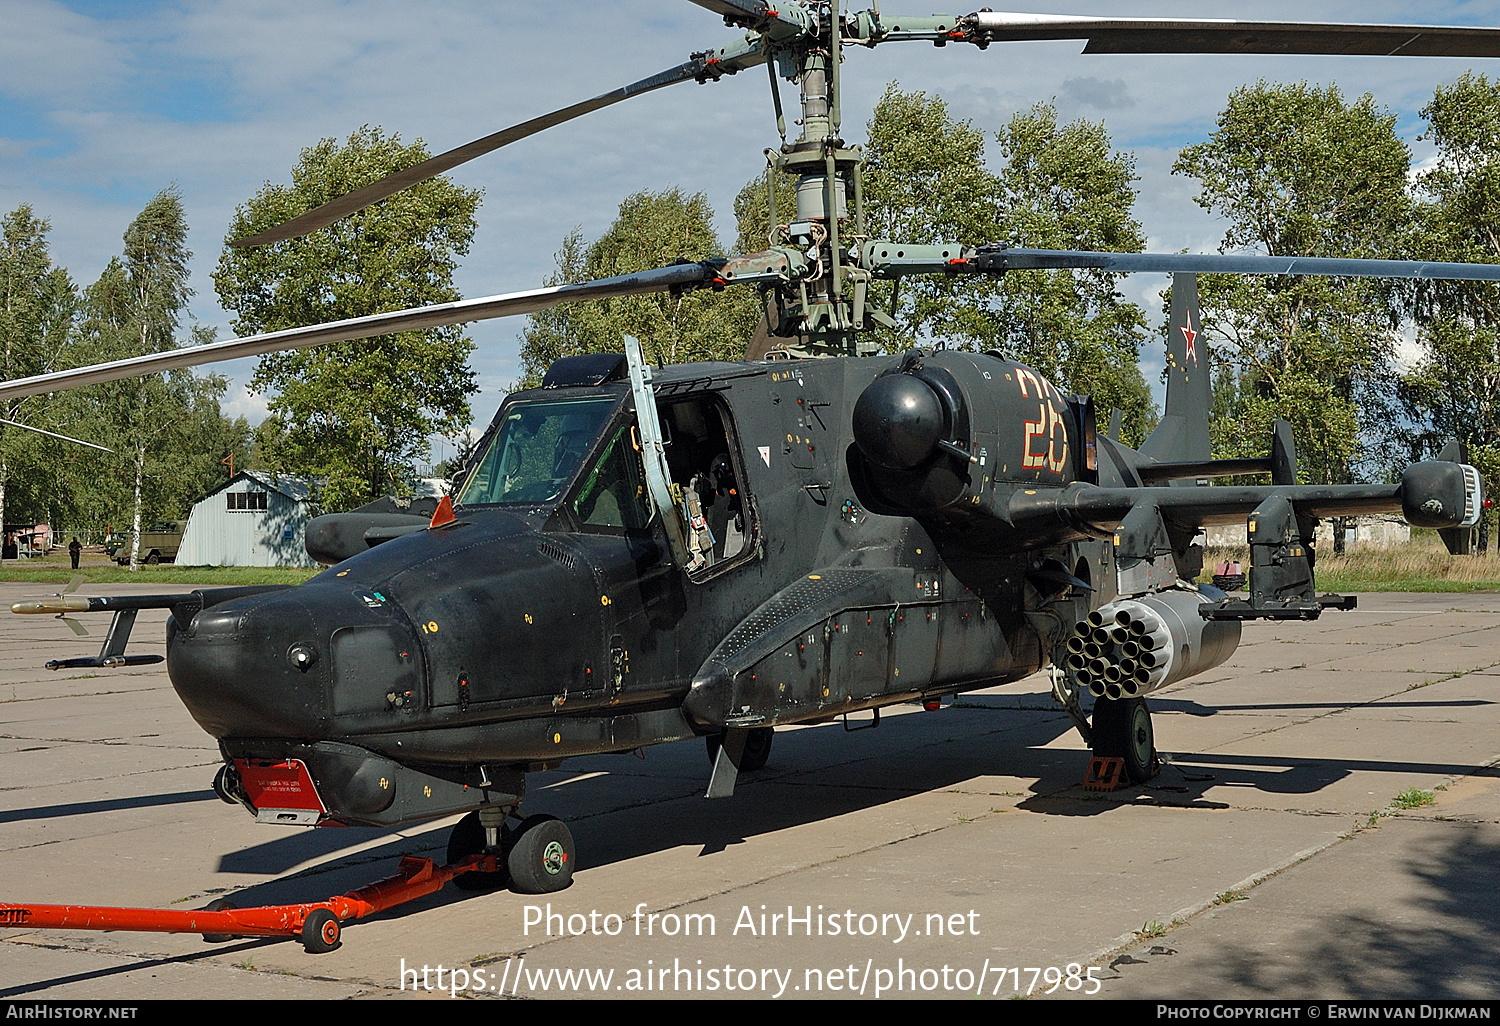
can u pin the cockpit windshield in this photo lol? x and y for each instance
(536, 451)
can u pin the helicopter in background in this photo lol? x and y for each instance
(642, 555)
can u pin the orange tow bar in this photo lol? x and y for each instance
(318, 924)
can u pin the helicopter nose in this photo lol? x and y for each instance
(253, 667)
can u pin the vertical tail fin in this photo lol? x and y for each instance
(1183, 431)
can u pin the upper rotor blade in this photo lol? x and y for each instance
(753, 10)
(701, 68)
(662, 279)
(781, 23)
(1215, 35)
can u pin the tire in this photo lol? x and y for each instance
(153, 559)
(320, 932)
(219, 905)
(1122, 729)
(757, 748)
(467, 838)
(542, 857)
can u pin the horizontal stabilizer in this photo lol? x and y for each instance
(1179, 470)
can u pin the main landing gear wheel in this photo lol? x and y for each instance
(1122, 729)
(757, 748)
(541, 857)
(467, 839)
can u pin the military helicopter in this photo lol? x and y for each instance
(639, 555)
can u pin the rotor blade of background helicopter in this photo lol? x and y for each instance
(1193, 35)
(712, 273)
(703, 67)
(889, 260)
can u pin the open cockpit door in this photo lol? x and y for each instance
(654, 452)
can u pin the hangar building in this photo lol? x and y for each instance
(253, 519)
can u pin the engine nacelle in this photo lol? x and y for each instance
(948, 437)
(1133, 646)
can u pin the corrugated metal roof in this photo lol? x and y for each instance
(295, 488)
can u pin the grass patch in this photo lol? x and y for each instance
(1155, 928)
(169, 574)
(1422, 564)
(1413, 799)
(1229, 896)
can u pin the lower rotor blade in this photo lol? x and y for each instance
(892, 260)
(662, 279)
(1229, 263)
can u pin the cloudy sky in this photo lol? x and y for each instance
(103, 104)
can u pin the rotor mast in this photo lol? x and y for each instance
(823, 312)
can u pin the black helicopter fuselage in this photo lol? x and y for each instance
(859, 532)
(523, 633)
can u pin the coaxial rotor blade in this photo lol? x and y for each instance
(718, 272)
(702, 68)
(54, 434)
(1184, 35)
(891, 260)
(780, 22)
(1216, 35)
(751, 10)
(1231, 263)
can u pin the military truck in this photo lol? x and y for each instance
(159, 544)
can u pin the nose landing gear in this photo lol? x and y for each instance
(537, 854)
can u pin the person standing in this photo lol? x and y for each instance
(75, 549)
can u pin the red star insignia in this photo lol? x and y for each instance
(1191, 336)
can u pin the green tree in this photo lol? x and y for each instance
(37, 301)
(652, 229)
(1297, 170)
(1453, 390)
(136, 307)
(1066, 187)
(356, 415)
(927, 181)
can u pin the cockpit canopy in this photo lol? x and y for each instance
(537, 450)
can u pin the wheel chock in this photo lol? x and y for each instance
(1106, 773)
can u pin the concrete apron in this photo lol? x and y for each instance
(943, 855)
